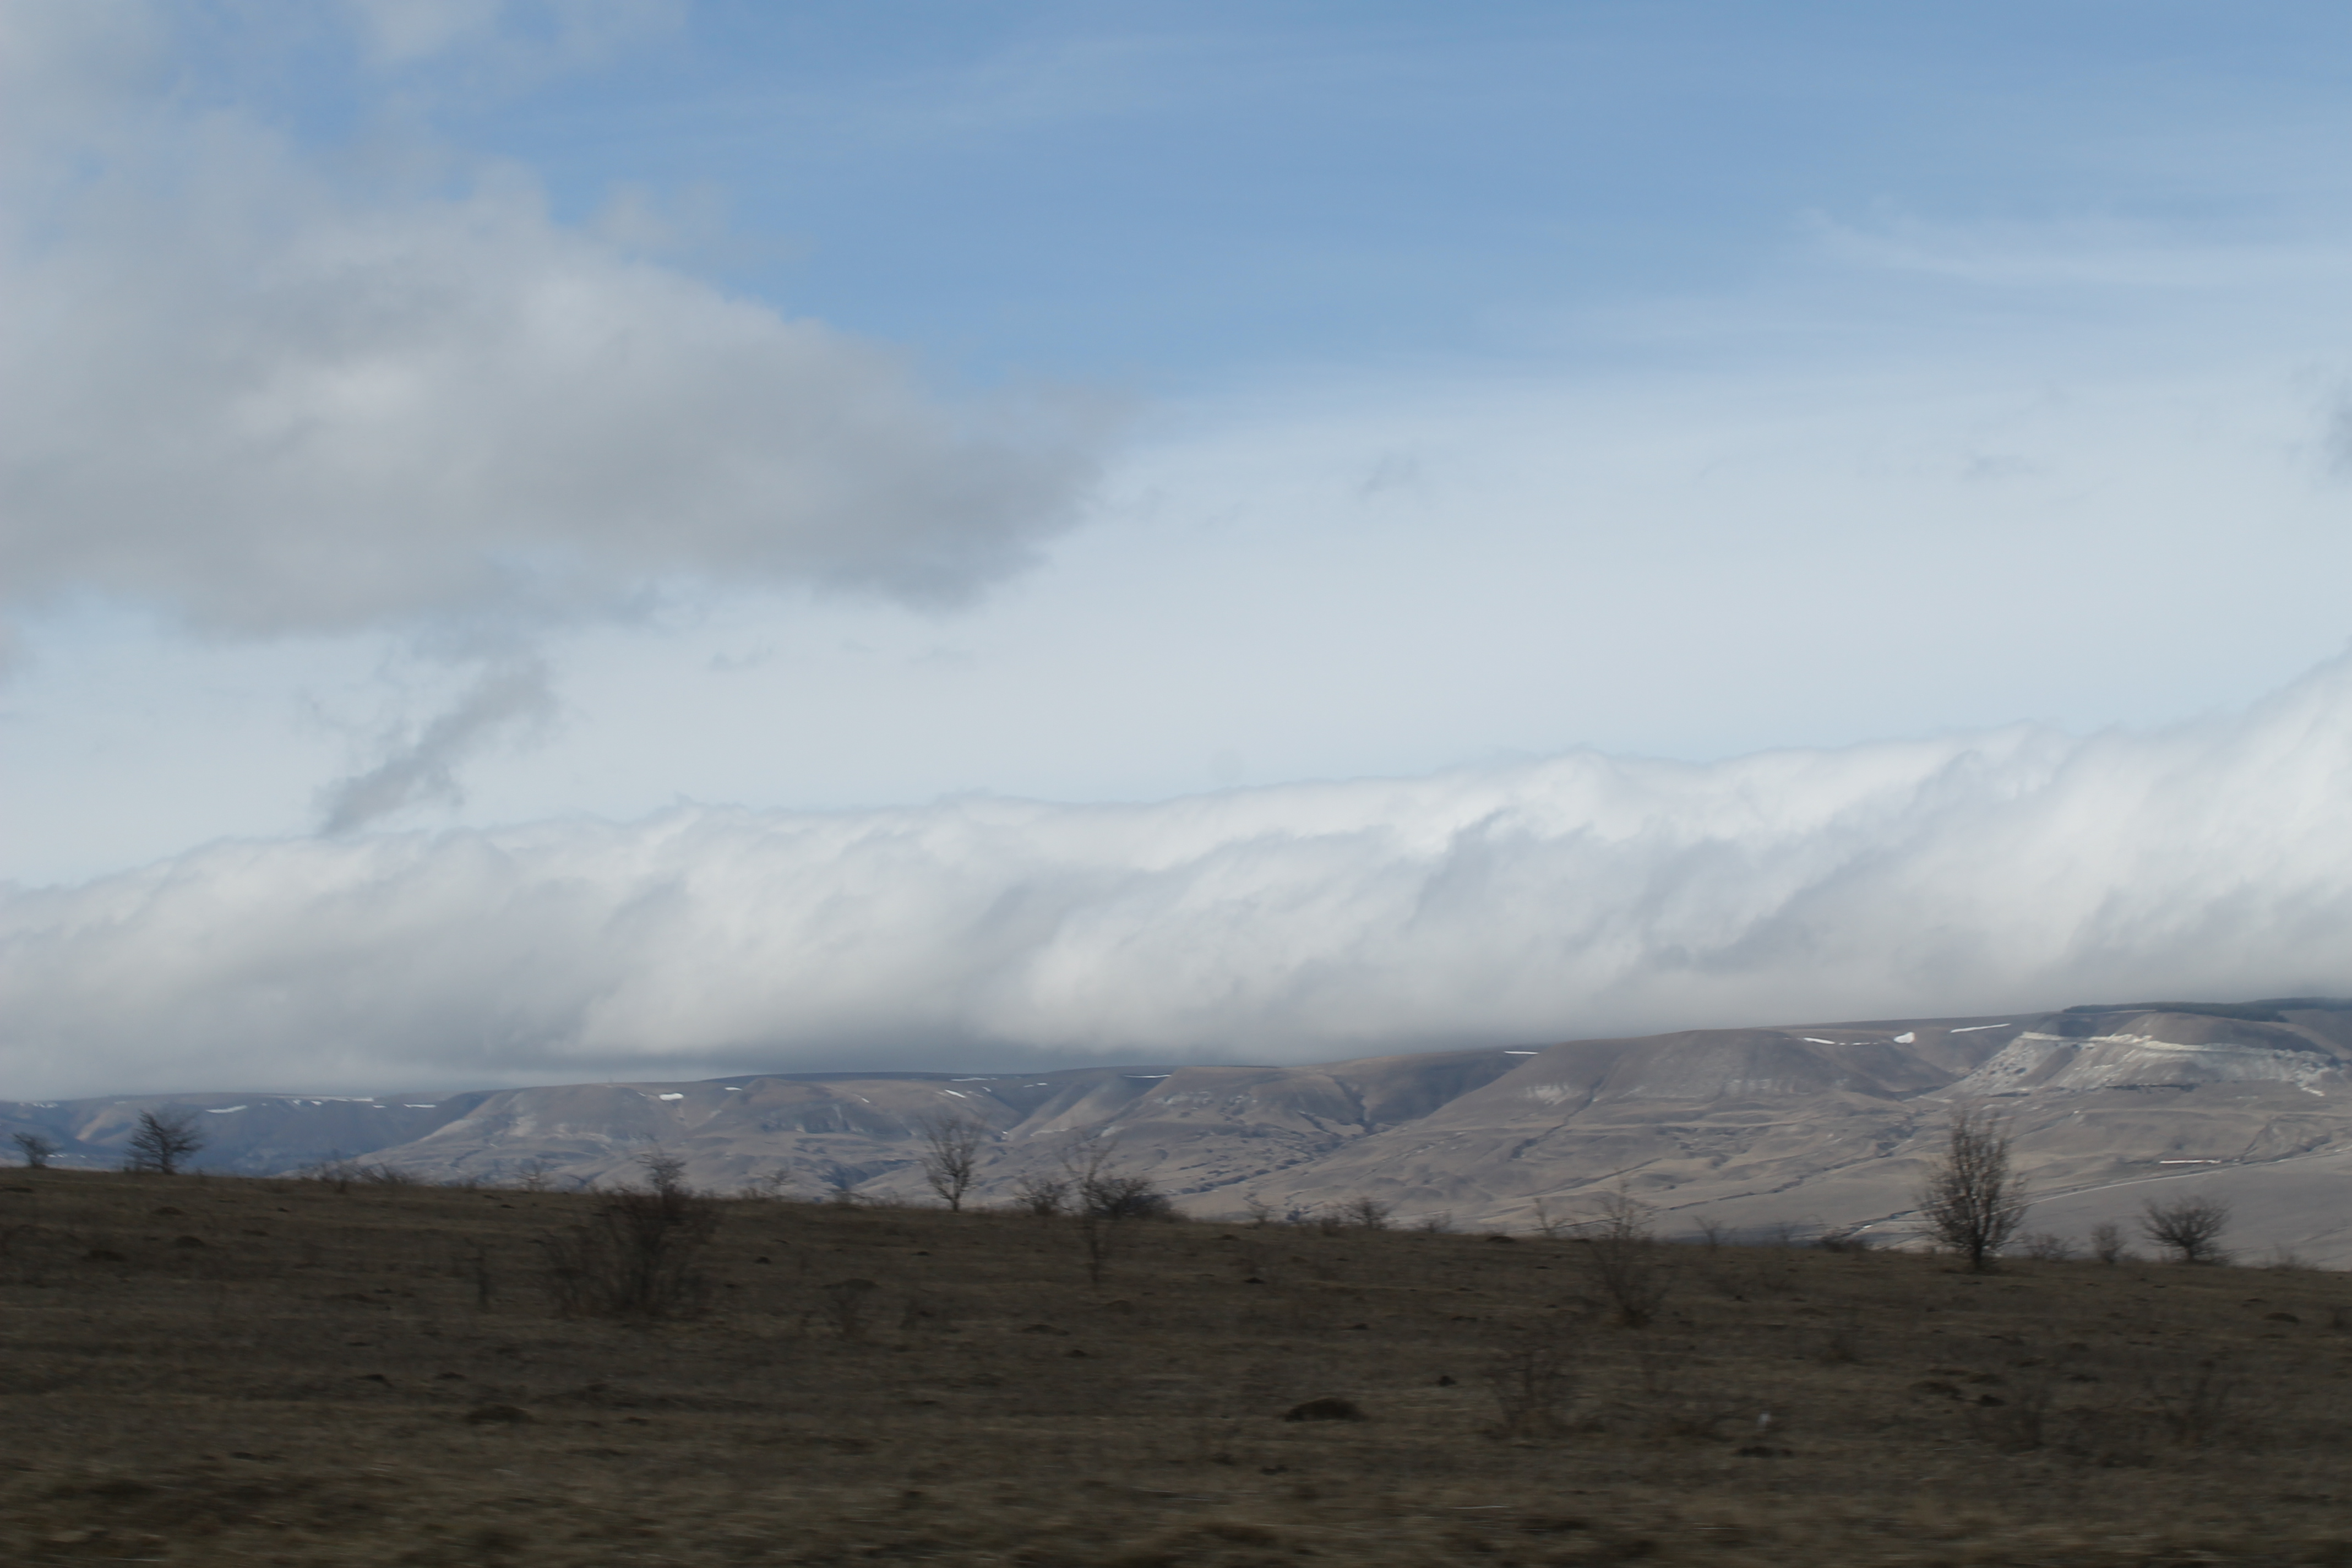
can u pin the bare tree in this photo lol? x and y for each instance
(162, 1142)
(1365, 1212)
(952, 1146)
(2107, 1242)
(2190, 1228)
(37, 1149)
(1973, 1201)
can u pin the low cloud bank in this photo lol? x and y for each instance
(1583, 895)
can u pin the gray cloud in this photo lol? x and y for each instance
(270, 397)
(1582, 895)
(420, 763)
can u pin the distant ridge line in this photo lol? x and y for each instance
(2271, 1010)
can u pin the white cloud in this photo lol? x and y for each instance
(272, 390)
(1577, 896)
(271, 395)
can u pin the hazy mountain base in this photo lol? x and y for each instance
(210, 1371)
(1812, 1127)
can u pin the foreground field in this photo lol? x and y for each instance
(206, 1370)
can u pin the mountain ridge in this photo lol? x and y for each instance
(1815, 1126)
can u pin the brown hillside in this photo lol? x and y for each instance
(216, 1370)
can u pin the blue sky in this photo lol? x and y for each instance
(474, 418)
(1174, 196)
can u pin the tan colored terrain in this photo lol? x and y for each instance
(216, 1370)
(1819, 1127)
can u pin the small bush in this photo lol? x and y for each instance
(847, 1305)
(635, 1257)
(2195, 1400)
(1623, 1259)
(1041, 1195)
(1533, 1384)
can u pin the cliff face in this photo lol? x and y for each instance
(1813, 1125)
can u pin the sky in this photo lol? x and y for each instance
(665, 537)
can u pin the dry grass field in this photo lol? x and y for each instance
(201, 1370)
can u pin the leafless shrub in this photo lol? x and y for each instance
(2107, 1243)
(1670, 1407)
(535, 1175)
(921, 1307)
(2190, 1228)
(769, 1188)
(1841, 1341)
(1040, 1194)
(37, 1148)
(1711, 1232)
(1533, 1383)
(1662, 1368)
(162, 1142)
(1972, 1201)
(1258, 1213)
(848, 1303)
(1549, 1225)
(635, 1257)
(1107, 1201)
(1623, 1259)
(2047, 1246)
(474, 1263)
(950, 1158)
(1439, 1224)
(1364, 1212)
(2195, 1400)
(2019, 1420)
(335, 1171)
(389, 1176)
(841, 1187)
(1846, 1238)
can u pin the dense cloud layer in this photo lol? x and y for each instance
(1577, 896)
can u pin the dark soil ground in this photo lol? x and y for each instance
(201, 1370)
